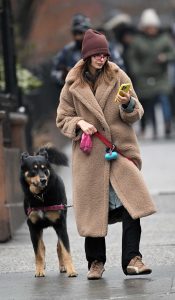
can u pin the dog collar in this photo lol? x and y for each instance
(46, 208)
(39, 197)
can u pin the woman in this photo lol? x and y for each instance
(149, 58)
(87, 105)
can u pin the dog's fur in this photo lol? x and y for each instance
(42, 188)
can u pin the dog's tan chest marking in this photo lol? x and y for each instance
(36, 216)
(53, 216)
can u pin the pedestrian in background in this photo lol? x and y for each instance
(100, 186)
(125, 34)
(115, 55)
(71, 53)
(149, 56)
(172, 73)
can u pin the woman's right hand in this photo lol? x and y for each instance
(86, 127)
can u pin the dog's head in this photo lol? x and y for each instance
(36, 170)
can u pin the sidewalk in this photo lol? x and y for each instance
(17, 280)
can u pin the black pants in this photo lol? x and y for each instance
(95, 248)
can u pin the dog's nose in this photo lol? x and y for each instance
(43, 181)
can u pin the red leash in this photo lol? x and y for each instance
(104, 140)
(110, 145)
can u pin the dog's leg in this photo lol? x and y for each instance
(40, 259)
(67, 259)
(60, 258)
(39, 249)
(64, 250)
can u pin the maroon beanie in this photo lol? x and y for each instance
(94, 42)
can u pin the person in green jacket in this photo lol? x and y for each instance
(149, 56)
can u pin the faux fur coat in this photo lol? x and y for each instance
(92, 173)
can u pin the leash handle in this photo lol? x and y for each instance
(68, 206)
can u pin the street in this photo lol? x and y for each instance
(62, 64)
(17, 279)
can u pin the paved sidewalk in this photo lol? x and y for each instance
(112, 286)
(17, 280)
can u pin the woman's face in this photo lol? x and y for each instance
(98, 61)
(151, 30)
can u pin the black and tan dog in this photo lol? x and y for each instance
(45, 205)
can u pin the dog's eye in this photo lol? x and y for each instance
(42, 167)
(35, 167)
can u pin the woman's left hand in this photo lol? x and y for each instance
(125, 98)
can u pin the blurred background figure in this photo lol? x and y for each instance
(120, 32)
(172, 73)
(124, 34)
(71, 53)
(115, 55)
(149, 56)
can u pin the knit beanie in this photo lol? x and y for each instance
(94, 43)
(149, 17)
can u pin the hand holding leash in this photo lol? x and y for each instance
(87, 127)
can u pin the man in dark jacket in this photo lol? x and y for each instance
(71, 53)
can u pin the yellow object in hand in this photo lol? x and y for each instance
(125, 87)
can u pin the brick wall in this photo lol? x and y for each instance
(50, 29)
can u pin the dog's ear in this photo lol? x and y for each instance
(43, 152)
(24, 155)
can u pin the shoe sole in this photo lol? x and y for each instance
(146, 272)
(94, 278)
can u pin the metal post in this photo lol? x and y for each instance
(9, 99)
(8, 48)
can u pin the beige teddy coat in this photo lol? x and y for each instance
(92, 173)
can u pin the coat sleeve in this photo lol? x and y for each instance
(169, 51)
(133, 58)
(67, 118)
(137, 113)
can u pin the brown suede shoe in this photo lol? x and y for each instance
(137, 267)
(96, 270)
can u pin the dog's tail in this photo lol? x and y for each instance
(55, 156)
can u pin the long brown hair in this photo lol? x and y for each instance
(105, 75)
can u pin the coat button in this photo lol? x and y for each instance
(103, 129)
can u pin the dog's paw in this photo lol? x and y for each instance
(40, 273)
(62, 269)
(72, 274)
